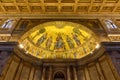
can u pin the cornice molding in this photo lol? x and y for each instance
(61, 16)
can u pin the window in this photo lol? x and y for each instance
(8, 23)
(110, 25)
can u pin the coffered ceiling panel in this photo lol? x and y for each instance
(20, 1)
(67, 9)
(59, 6)
(98, 1)
(23, 8)
(1, 9)
(107, 8)
(82, 8)
(50, 1)
(36, 8)
(83, 1)
(7, 1)
(51, 9)
(34, 1)
(95, 8)
(67, 1)
(10, 8)
(118, 9)
(112, 1)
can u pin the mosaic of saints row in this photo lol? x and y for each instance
(59, 40)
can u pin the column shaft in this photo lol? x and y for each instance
(68, 73)
(75, 73)
(43, 73)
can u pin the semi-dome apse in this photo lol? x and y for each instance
(59, 39)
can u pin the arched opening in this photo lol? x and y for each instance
(59, 76)
(52, 40)
(8, 23)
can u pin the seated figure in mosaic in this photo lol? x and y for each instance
(59, 42)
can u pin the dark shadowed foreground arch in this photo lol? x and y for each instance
(59, 76)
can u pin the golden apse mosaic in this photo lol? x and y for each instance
(59, 39)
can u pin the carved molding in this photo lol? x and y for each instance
(61, 16)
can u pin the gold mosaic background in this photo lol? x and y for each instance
(59, 39)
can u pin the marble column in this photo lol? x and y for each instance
(43, 73)
(68, 73)
(75, 73)
(50, 73)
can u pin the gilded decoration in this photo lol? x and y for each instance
(59, 39)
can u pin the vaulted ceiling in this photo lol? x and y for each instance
(59, 6)
(53, 40)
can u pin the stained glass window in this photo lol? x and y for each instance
(8, 23)
(110, 25)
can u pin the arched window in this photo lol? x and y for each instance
(110, 25)
(59, 76)
(8, 23)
